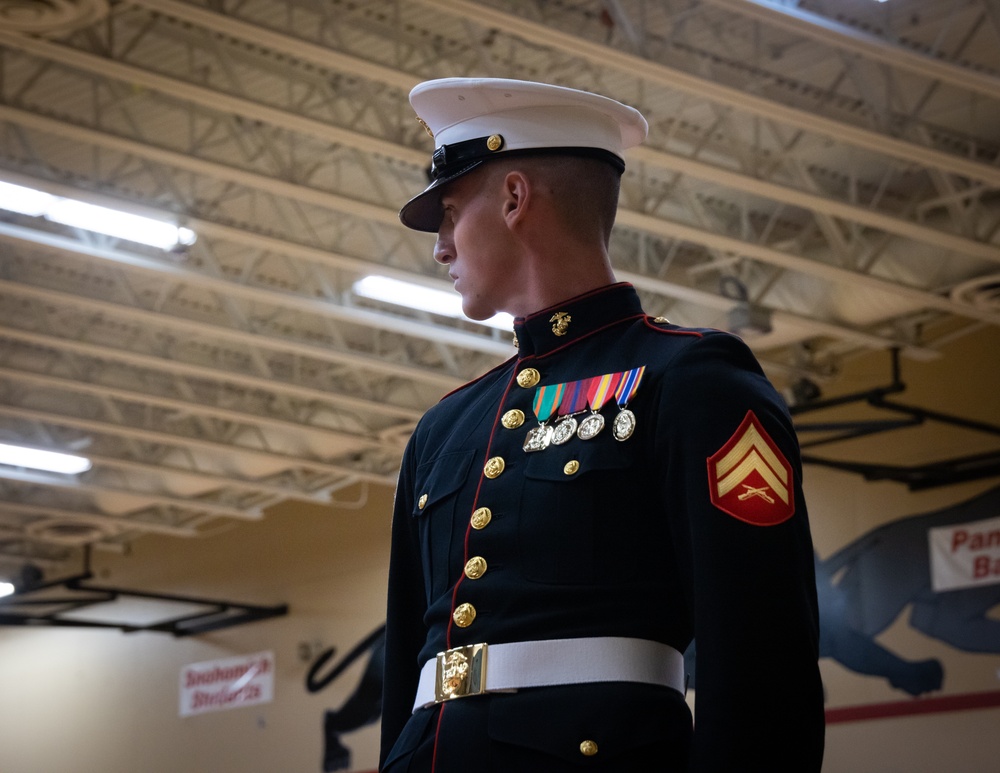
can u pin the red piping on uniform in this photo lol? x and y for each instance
(475, 500)
(585, 336)
(437, 732)
(465, 556)
(477, 379)
(695, 333)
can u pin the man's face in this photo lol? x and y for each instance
(473, 242)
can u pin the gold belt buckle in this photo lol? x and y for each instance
(461, 671)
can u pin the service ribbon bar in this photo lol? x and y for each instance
(628, 385)
(547, 400)
(574, 401)
(624, 424)
(600, 389)
(575, 398)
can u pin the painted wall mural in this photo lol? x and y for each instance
(362, 707)
(944, 565)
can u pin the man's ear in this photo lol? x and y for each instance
(517, 195)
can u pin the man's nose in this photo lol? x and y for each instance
(444, 251)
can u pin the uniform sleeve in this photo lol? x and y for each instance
(404, 614)
(732, 487)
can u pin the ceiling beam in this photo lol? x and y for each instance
(319, 306)
(159, 320)
(802, 199)
(191, 408)
(641, 222)
(297, 48)
(704, 89)
(829, 32)
(775, 257)
(116, 522)
(184, 441)
(192, 505)
(209, 98)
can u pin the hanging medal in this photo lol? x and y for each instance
(574, 401)
(547, 399)
(624, 424)
(599, 391)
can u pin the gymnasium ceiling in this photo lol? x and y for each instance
(830, 168)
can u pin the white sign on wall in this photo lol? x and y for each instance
(965, 555)
(216, 685)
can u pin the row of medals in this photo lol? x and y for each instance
(544, 435)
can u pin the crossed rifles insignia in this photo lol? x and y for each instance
(749, 477)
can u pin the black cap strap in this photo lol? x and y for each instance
(448, 158)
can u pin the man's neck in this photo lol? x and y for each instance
(556, 277)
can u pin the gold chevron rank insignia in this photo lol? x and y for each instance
(749, 477)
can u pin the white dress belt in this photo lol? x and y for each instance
(517, 665)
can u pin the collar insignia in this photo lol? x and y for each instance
(560, 320)
(750, 479)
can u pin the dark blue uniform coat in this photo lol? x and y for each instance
(657, 537)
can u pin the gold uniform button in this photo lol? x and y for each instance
(512, 419)
(494, 466)
(528, 378)
(571, 467)
(475, 567)
(422, 502)
(481, 517)
(588, 748)
(463, 615)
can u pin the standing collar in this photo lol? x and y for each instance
(549, 329)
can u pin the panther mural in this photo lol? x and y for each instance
(868, 583)
(363, 707)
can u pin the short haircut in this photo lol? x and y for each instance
(584, 189)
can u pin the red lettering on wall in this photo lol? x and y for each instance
(984, 567)
(978, 540)
(200, 699)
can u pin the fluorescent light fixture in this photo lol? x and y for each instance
(6, 588)
(91, 217)
(414, 296)
(50, 461)
(26, 201)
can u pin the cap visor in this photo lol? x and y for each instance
(424, 212)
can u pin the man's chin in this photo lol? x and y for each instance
(478, 313)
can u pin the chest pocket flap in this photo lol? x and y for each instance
(440, 478)
(582, 456)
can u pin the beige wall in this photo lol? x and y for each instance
(966, 382)
(106, 702)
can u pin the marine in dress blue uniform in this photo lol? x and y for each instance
(546, 572)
